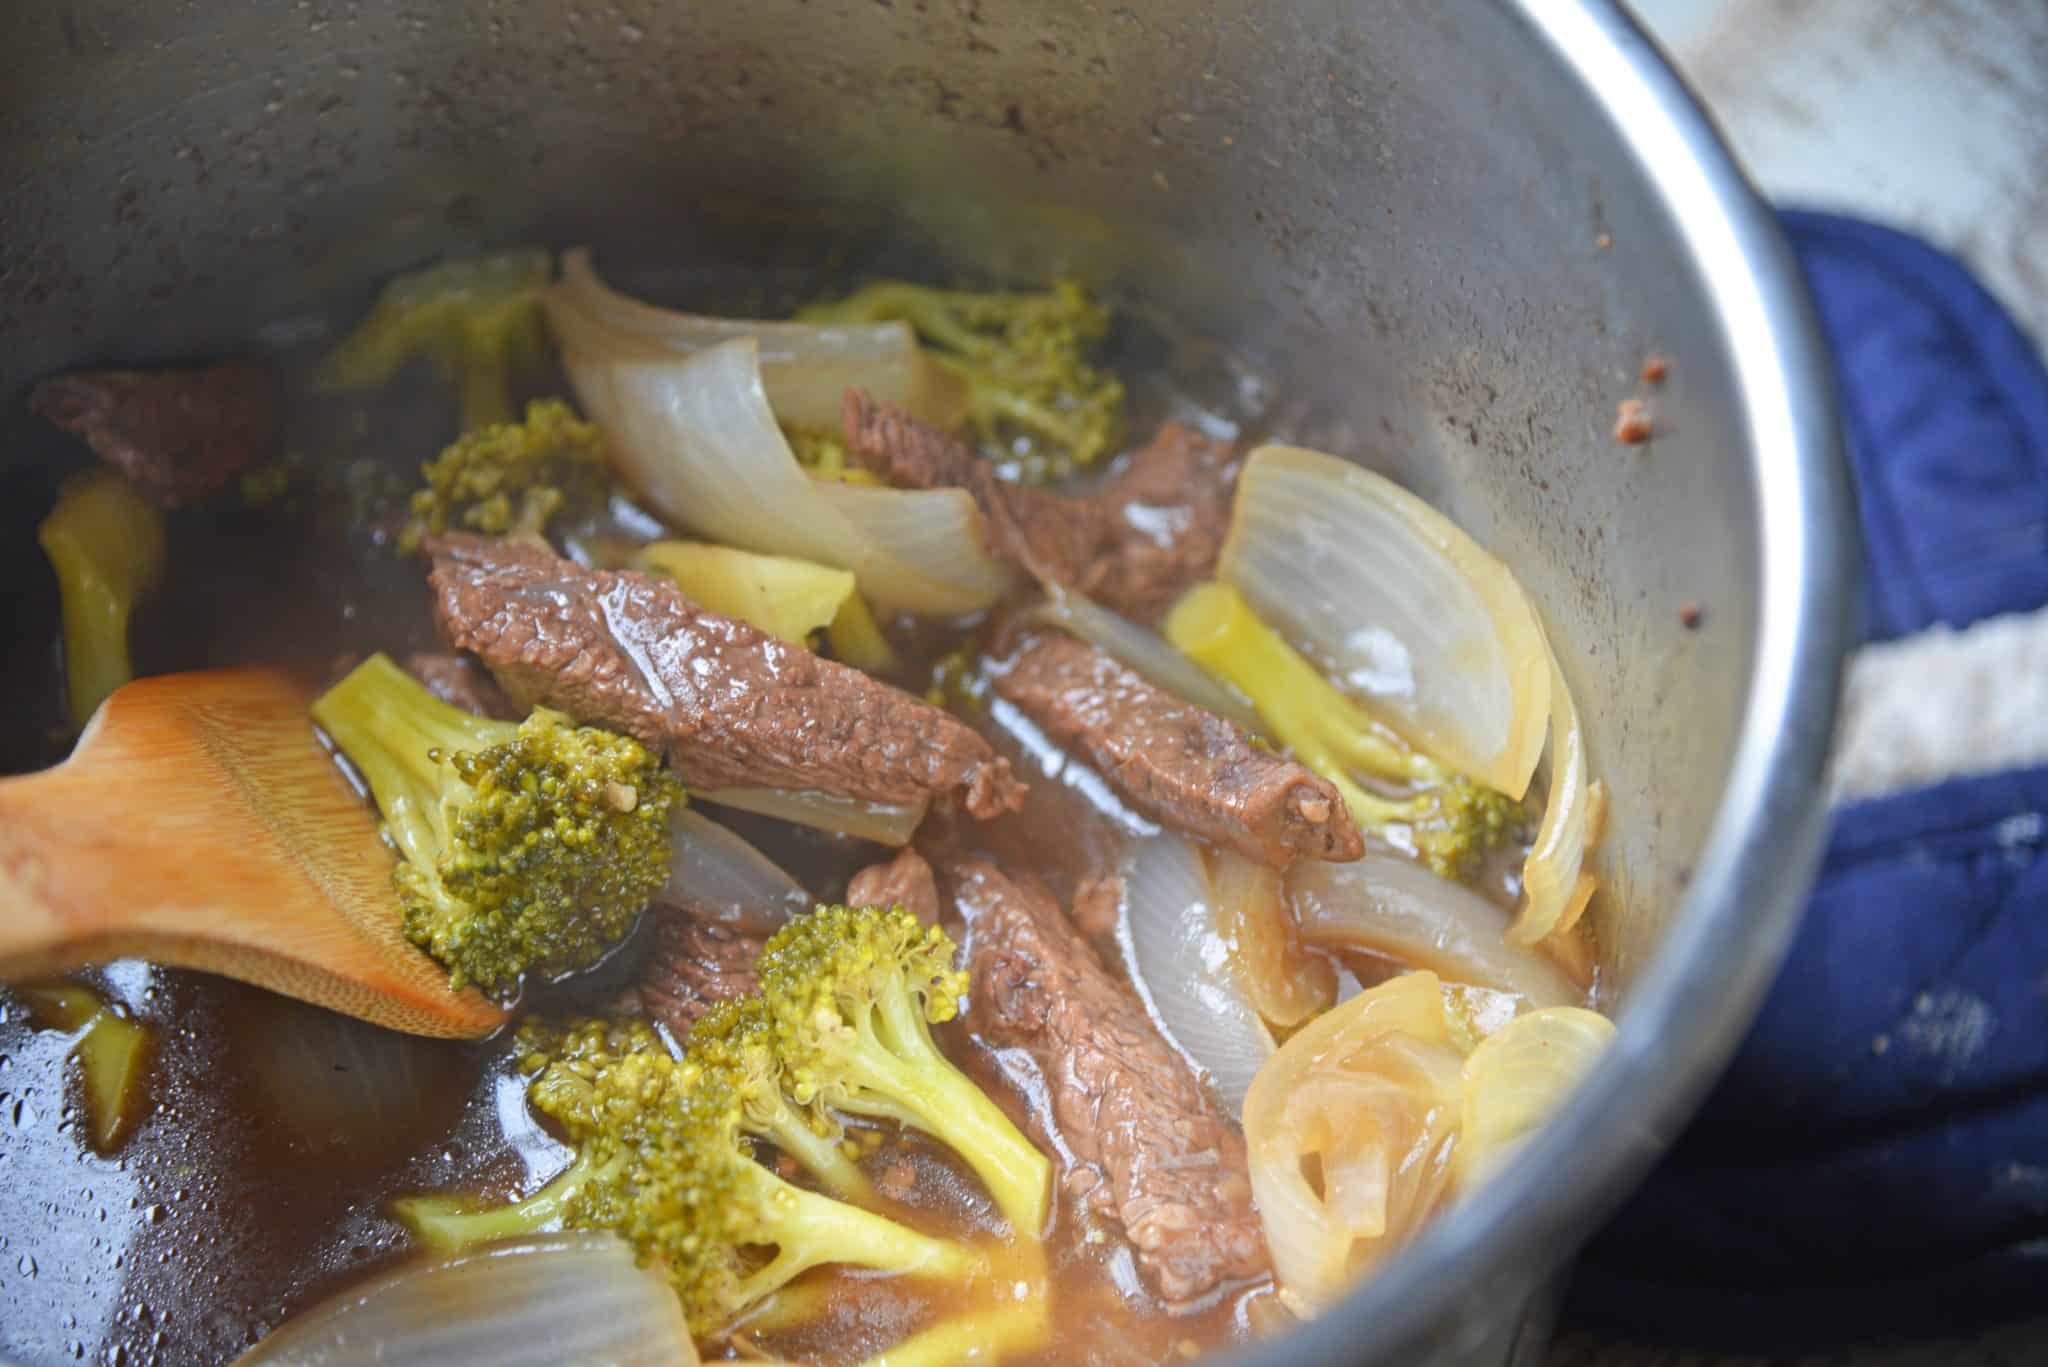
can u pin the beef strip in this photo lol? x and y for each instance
(1179, 764)
(178, 435)
(693, 966)
(460, 681)
(1132, 542)
(730, 706)
(1154, 1150)
(905, 881)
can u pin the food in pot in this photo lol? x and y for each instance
(987, 858)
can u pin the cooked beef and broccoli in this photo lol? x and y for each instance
(982, 857)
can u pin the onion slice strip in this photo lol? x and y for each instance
(1518, 1076)
(715, 875)
(1145, 651)
(551, 1299)
(806, 367)
(885, 823)
(1183, 968)
(1551, 885)
(1392, 906)
(697, 438)
(1370, 1090)
(1397, 605)
(1285, 983)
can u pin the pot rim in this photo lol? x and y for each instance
(1463, 1281)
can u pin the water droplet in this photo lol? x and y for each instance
(27, 1265)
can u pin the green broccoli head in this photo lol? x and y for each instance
(736, 1040)
(477, 321)
(525, 848)
(662, 1159)
(1033, 399)
(849, 993)
(1390, 787)
(1454, 822)
(510, 478)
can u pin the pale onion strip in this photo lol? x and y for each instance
(806, 367)
(1394, 907)
(1550, 877)
(937, 530)
(1517, 1078)
(885, 823)
(542, 1301)
(696, 437)
(1182, 967)
(1286, 983)
(1400, 606)
(1369, 1090)
(1145, 651)
(716, 875)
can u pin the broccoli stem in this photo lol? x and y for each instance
(397, 734)
(819, 1154)
(450, 1224)
(895, 1062)
(106, 544)
(979, 1335)
(1213, 626)
(809, 1230)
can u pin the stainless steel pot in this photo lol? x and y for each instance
(1455, 227)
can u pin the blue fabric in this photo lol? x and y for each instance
(1875, 1163)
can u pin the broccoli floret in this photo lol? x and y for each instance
(662, 1159)
(526, 847)
(1449, 820)
(478, 322)
(106, 543)
(848, 993)
(509, 477)
(735, 1039)
(1034, 401)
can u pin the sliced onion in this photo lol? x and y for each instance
(1518, 1076)
(1369, 1091)
(1391, 906)
(1398, 605)
(696, 437)
(885, 823)
(1550, 876)
(542, 1301)
(716, 876)
(806, 367)
(939, 531)
(1285, 983)
(1145, 651)
(1183, 968)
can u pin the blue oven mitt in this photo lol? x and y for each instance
(1875, 1163)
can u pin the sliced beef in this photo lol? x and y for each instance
(178, 435)
(460, 681)
(1179, 764)
(1153, 1150)
(1132, 542)
(693, 966)
(905, 881)
(730, 706)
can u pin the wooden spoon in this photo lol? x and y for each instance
(200, 822)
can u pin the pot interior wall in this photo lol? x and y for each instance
(1403, 213)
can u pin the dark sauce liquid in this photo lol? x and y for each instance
(257, 1182)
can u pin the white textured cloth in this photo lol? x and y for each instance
(1943, 704)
